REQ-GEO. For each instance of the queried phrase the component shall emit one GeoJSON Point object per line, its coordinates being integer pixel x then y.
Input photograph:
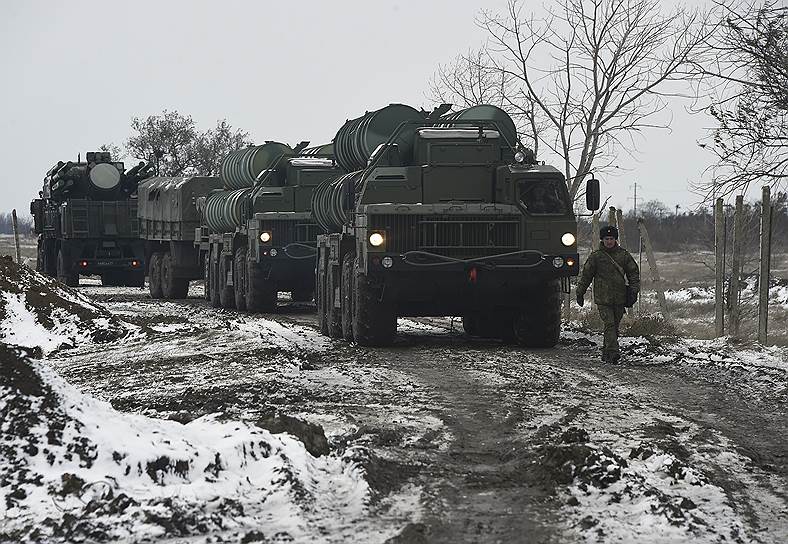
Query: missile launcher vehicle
{"type": "Point", "coordinates": [86, 221]}
{"type": "Point", "coordinates": [257, 236]}
{"type": "Point", "coordinates": [168, 219]}
{"type": "Point", "coordinates": [443, 214]}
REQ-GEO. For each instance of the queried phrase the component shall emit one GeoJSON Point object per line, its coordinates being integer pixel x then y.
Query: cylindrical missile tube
{"type": "Point", "coordinates": [241, 167]}
{"type": "Point", "coordinates": [224, 209]}
{"type": "Point", "coordinates": [327, 201]}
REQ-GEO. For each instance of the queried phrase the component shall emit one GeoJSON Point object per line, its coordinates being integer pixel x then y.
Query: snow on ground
{"type": "Point", "coordinates": [38, 312]}
{"type": "Point", "coordinates": [72, 468]}
{"type": "Point", "coordinates": [778, 293]}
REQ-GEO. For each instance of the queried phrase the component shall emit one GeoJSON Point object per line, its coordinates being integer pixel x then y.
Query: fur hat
{"type": "Point", "coordinates": [609, 230]}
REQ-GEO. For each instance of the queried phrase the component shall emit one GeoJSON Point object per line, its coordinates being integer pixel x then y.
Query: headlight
{"type": "Point", "coordinates": [568, 239]}
{"type": "Point", "coordinates": [558, 262]}
{"type": "Point", "coordinates": [376, 239]}
{"type": "Point", "coordinates": [265, 237]}
{"type": "Point", "coordinates": [519, 157]}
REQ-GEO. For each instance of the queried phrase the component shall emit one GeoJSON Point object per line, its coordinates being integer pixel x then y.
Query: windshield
{"type": "Point", "coordinates": [543, 196]}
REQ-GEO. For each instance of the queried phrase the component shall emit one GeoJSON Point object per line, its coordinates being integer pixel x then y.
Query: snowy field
{"type": "Point", "coordinates": [128, 419]}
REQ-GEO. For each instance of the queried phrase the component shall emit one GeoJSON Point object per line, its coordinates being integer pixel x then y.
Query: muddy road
{"type": "Point", "coordinates": [466, 440]}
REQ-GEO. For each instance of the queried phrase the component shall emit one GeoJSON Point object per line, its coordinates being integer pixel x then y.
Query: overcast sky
{"type": "Point", "coordinates": [75, 73]}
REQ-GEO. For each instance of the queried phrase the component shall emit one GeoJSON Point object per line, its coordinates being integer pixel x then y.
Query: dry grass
{"type": "Point", "coordinates": [27, 243]}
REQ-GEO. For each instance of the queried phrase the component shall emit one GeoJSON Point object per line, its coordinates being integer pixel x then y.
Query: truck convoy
{"type": "Point", "coordinates": [258, 236]}
{"type": "Point", "coordinates": [405, 213]}
{"type": "Point", "coordinates": [443, 215]}
{"type": "Point", "coordinates": [86, 221]}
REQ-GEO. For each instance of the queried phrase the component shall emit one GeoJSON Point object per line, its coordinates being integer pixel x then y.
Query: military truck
{"type": "Point", "coordinates": [168, 219]}
{"type": "Point", "coordinates": [86, 221]}
{"type": "Point", "coordinates": [257, 236]}
{"type": "Point", "coordinates": [443, 215]}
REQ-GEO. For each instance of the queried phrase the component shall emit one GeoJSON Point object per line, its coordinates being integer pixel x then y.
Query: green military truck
{"type": "Point", "coordinates": [257, 236]}
{"type": "Point", "coordinates": [168, 218]}
{"type": "Point", "coordinates": [86, 221]}
{"type": "Point", "coordinates": [443, 215]}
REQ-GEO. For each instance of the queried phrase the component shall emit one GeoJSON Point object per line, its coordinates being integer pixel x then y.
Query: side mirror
{"type": "Point", "coordinates": [592, 194]}
{"type": "Point", "coordinates": [348, 194]}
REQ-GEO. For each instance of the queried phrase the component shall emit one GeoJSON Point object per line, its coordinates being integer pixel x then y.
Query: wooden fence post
{"type": "Point", "coordinates": [16, 237]}
{"type": "Point", "coordinates": [622, 241]}
{"type": "Point", "coordinates": [595, 232]}
{"type": "Point", "coordinates": [738, 228]}
{"type": "Point", "coordinates": [719, 269]}
{"type": "Point", "coordinates": [763, 275]}
{"type": "Point", "coordinates": [611, 216]}
{"type": "Point", "coordinates": [652, 263]}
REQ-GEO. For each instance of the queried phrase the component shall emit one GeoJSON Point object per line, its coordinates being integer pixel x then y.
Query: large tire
{"type": "Point", "coordinates": [65, 272]}
{"type": "Point", "coordinates": [206, 277]}
{"type": "Point", "coordinates": [154, 276]}
{"type": "Point", "coordinates": [260, 291]}
{"type": "Point", "coordinates": [172, 287]}
{"type": "Point", "coordinates": [333, 302]}
{"type": "Point", "coordinates": [216, 301]}
{"type": "Point", "coordinates": [226, 293]}
{"type": "Point", "coordinates": [320, 298]}
{"type": "Point", "coordinates": [40, 256]}
{"type": "Point", "coordinates": [538, 322]}
{"type": "Point", "coordinates": [374, 321]}
{"type": "Point", "coordinates": [347, 296]}
{"type": "Point", "coordinates": [489, 325]}
{"type": "Point", "coordinates": [50, 258]}
{"type": "Point", "coordinates": [110, 279]}
{"type": "Point", "coordinates": [239, 277]}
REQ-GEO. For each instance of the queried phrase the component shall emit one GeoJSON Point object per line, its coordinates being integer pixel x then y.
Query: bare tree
{"type": "Point", "coordinates": [183, 150]}
{"type": "Point", "coordinates": [744, 69]}
{"type": "Point", "coordinates": [595, 70]}
{"type": "Point", "coordinates": [470, 80]}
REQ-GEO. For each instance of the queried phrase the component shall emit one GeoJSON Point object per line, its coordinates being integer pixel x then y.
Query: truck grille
{"type": "Point", "coordinates": [288, 231]}
{"type": "Point", "coordinates": [459, 236]}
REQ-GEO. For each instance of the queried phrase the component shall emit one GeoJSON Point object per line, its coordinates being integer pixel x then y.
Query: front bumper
{"type": "Point", "coordinates": [534, 264]}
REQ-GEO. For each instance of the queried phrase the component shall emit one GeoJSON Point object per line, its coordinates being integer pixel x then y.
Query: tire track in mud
{"type": "Point", "coordinates": [453, 432]}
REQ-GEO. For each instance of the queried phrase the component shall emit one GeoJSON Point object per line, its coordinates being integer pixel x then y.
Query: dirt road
{"type": "Point", "coordinates": [472, 441]}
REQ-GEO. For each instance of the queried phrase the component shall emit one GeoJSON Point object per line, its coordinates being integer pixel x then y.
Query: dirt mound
{"type": "Point", "coordinates": [39, 313]}
{"type": "Point", "coordinates": [73, 469]}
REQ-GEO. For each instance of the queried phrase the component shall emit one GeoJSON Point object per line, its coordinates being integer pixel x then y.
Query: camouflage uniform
{"type": "Point", "coordinates": [609, 290]}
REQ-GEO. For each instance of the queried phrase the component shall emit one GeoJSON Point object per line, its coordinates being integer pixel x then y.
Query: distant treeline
{"type": "Point", "coordinates": [694, 230]}
{"type": "Point", "coordinates": [25, 223]}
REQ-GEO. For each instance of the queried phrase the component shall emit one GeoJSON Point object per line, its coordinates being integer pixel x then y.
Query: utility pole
{"type": "Point", "coordinates": [738, 231]}
{"type": "Point", "coordinates": [635, 199]}
{"type": "Point", "coordinates": [763, 275]}
{"type": "Point", "coordinates": [719, 269]}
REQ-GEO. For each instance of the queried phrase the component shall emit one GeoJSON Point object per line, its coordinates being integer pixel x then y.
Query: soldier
{"type": "Point", "coordinates": [608, 267]}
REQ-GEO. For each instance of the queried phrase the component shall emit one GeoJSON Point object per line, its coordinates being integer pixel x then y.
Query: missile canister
{"type": "Point", "coordinates": [486, 112]}
{"type": "Point", "coordinates": [327, 208]}
{"type": "Point", "coordinates": [224, 209]}
{"type": "Point", "coordinates": [241, 167]}
{"type": "Point", "coordinates": [358, 138]}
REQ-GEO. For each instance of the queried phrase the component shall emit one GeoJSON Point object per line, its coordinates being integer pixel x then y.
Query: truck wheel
{"type": "Point", "coordinates": [216, 302]}
{"type": "Point", "coordinates": [226, 294]}
{"type": "Point", "coordinates": [470, 324]}
{"type": "Point", "coordinates": [374, 321]}
{"type": "Point", "coordinates": [333, 299]}
{"type": "Point", "coordinates": [538, 323]}
{"type": "Point", "coordinates": [301, 295]}
{"type": "Point", "coordinates": [320, 298]}
{"type": "Point", "coordinates": [40, 256]}
{"type": "Point", "coordinates": [154, 276]}
{"type": "Point", "coordinates": [50, 258]}
{"type": "Point", "coordinates": [109, 279]}
{"type": "Point", "coordinates": [65, 272]}
{"type": "Point", "coordinates": [171, 286]}
{"type": "Point", "coordinates": [206, 277]}
{"type": "Point", "coordinates": [347, 296]}
{"type": "Point", "coordinates": [239, 277]}
{"type": "Point", "coordinates": [260, 292]}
